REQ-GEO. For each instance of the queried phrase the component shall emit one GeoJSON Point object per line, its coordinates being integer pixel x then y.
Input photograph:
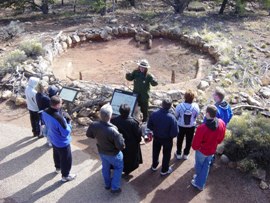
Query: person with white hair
{"type": "Point", "coordinates": [30, 94]}
{"type": "Point", "coordinates": [142, 82]}
{"type": "Point", "coordinates": [109, 143]}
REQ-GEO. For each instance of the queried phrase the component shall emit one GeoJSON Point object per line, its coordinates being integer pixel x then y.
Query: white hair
{"type": "Point", "coordinates": [106, 112]}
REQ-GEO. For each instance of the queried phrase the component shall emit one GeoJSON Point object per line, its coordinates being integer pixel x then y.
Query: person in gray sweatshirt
{"type": "Point", "coordinates": [30, 94]}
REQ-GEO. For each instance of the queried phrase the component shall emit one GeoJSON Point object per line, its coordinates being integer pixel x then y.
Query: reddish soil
{"type": "Point", "coordinates": [107, 62]}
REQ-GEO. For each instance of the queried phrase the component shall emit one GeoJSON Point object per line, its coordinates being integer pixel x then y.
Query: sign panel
{"type": "Point", "coordinates": [123, 97]}
{"type": "Point", "coordinates": [68, 94]}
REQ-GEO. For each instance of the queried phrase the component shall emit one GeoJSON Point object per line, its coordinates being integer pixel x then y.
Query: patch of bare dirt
{"type": "Point", "coordinates": [107, 62]}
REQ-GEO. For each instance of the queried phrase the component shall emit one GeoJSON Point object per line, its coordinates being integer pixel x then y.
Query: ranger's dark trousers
{"type": "Point", "coordinates": [166, 144]}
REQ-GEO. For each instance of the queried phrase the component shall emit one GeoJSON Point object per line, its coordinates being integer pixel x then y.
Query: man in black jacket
{"type": "Point", "coordinates": [109, 143]}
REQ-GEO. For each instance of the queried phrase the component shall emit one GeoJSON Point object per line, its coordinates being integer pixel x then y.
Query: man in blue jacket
{"type": "Point", "coordinates": [59, 130]}
{"type": "Point", "coordinates": [164, 127]}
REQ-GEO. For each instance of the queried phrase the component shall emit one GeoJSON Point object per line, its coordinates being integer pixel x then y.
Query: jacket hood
{"type": "Point", "coordinates": [223, 105]}
{"type": "Point", "coordinates": [212, 124]}
{"type": "Point", "coordinates": [33, 81]}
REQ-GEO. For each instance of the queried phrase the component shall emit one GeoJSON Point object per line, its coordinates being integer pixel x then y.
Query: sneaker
{"type": "Point", "coordinates": [170, 170]}
{"type": "Point", "coordinates": [178, 157]}
{"type": "Point", "coordinates": [154, 169]}
{"type": "Point", "coordinates": [116, 191]}
{"type": "Point", "coordinates": [70, 177]}
{"type": "Point", "coordinates": [194, 176]}
{"type": "Point", "coordinates": [57, 171]}
{"type": "Point", "coordinates": [196, 186]}
{"type": "Point", "coordinates": [185, 157]}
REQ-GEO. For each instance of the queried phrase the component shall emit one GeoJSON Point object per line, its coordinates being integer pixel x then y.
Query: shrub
{"type": "Point", "coordinates": [14, 58]}
{"type": "Point", "coordinates": [32, 48]}
{"type": "Point", "coordinates": [12, 30]}
{"type": "Point", "coordinates": [249, 143]}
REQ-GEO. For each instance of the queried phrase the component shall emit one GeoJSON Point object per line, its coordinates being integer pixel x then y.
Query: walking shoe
{"type": "Point", "coordinates": [185, 157]}
{"type": "Point", "coordinates": [70, 177]}
{"type": "Point", "coordinates": [170, 170]}
{"type": "Point", "coordinates": [154, 169]}
{"type": "Point", "coordinates": [116, 191]}
{"type": "Point", "coordinates": [194, 176]}
{"type": "Point", "coordinates": [57, 171]}
{"type": "Point", "coordinates": [178, 157]}
{"type": "Point", "coordinates": [196, 186]}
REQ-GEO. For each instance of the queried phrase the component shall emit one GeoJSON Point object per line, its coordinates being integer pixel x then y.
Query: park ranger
{"type": "Point", "coordinates": [142, 81]}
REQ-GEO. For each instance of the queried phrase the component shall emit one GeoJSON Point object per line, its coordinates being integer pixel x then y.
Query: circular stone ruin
{"type": "Point", "coordinates": [105, 55]}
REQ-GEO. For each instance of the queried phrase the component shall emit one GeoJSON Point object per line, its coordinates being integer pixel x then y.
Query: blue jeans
{"type": "Point", "coordinates": [202, 165]}
{"type": "Point", "coordinates": [117, 163]}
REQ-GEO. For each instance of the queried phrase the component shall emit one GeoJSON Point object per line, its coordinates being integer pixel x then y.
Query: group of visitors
{"type": "Point", "coordinates": [118, 139]}
{"type": "Point", "coordinates": [47, 119]}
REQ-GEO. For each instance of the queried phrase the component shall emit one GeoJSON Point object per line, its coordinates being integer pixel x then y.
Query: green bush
{"type": "Point", "coordinates": [249, 142]}
{"type": "Point", "coordinates": [14, 58]}
{"type": "Point", "coordinates": [32, 48]}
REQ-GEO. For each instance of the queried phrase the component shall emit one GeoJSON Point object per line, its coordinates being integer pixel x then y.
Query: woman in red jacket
{"type": "Point", "coordinates": [207, 137]}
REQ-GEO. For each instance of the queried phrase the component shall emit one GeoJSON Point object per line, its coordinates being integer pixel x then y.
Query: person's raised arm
{"type": "Point", "coordinates": [130, 76]}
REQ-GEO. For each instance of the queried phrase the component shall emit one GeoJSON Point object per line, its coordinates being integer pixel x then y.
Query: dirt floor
{"type": "Point", "coordinates": [224, 185]}
{"type": "Point", "coordinates": [107, 62]}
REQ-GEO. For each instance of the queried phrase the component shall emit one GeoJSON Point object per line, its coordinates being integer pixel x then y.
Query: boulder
{"type": "Point", "coordinates": [243, 94]}
{"type": "Point", "coordinates": [157, 102]}
{"type": "Point", "coordinates": [203, 85]}
{"type": "Point", "coordinates": [224, 159]}
{"type": "Point", "coordinates": [19, 101]}
{"type": "Point", "coordinates": [228, 81]}
{"type": "Point", "coordinates": [7, 94]}
{"type": "Point", "coordinates": [85, 112]}
{"type": "Point", "coordinates": [85, 121]}
{"type": "Point", "coordinates": [75, 39]}
{"type": "Point", "coordinates": [6, 78]}
{"type": "Point", "coordinates": [175, 94]}
{"type": "Point", "coordinates": [113, 21]}
{"type": "Point", "coordinates": [252, 101]}
{"type": "Point", "coordinates": [105, 35]}
{"type": "Point", "coordinates": [64, 45]}
{"type": "Point", "coordinates": [264, 185]}
{"type": "Point", "coordinates": [259, 174]}
{"type": "Point", "coordinates": [265, 92]}
{"type": "Point", "coordinates": [220, 148]}
{"type": "Point", "coordinates": [69, 41]}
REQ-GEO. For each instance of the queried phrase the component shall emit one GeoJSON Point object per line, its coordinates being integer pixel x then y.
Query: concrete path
{"type": "Point", "coordinates": [27, 173]}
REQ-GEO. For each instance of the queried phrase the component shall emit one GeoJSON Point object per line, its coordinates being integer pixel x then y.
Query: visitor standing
{"type": "Point", "coordinates": [109, 143]}
{"type": "Point", "coordinates": [132, 134]}
{"type": "Point", "coordinates": [142, 82]}
{"type": "Point", "coordinates": [224, 111]}
{"type": "Point", "coordinates": [30, 94]}
{"type": "Point", "coordinates": [186, 114]}
{"type": "Point", "coordinates": [164, 127]}
{"type": "Point", "coordinates": [208, 135]}
{"type": "Point", "coordinates": [59, 132]}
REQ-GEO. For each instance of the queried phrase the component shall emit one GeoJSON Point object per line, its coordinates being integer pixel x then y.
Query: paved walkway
{"type": "Point", "coordinates": [27, 173]}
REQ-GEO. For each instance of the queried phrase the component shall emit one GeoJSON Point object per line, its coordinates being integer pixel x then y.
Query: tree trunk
{"type": "Point", "coordinates": [62, 2]}
{"type": "Point", "coordinates": [132, 2]}
{"type": "Point", "coordinates": [180, 5]}
{"type": "Point", "coordinates": [223, 5]}
{"type": "Point", "coordinates": [45, 7]}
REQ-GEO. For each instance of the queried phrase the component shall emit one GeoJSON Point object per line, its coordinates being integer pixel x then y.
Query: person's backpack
{"type": "Point", "coordinates": [187, 114]}
{"type": "Point", "coordinates": [224, 114]}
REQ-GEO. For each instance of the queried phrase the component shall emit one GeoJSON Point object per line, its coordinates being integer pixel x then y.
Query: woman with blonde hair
{"type": "Point", "coordinates": [43, 102]}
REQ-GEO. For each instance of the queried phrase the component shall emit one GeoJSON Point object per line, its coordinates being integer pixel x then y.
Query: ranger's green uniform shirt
{"type": "Point", "coordinates": [142, 84]}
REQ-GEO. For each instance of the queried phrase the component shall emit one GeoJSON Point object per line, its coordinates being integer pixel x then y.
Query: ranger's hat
{"type": "Point", "coordinates": [144, 63]}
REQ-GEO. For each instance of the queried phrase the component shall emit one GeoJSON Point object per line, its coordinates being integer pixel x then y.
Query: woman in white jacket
{"type": "Point", "coordinates": [30, 94]}
{"type": "Point", "coordinates": [186, 114]}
